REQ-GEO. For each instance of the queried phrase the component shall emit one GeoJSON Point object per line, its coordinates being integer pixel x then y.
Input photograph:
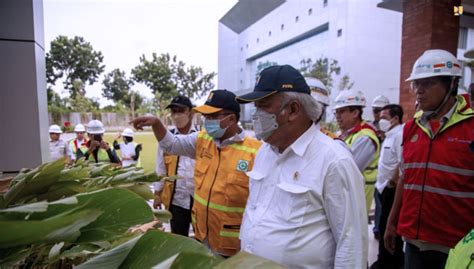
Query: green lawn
{"type": "Point", "coordinates": [149, 144]}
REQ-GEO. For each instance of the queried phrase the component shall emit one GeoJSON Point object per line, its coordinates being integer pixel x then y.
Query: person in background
{"type": "Point", "coordinates": [387, 177]}
{"type": "Point", "coordinates": [129, 150]}
{"type": "Point", "coordinates": [306, 205]}
{"type": "Point", "coordinates": [321, 94]}
{"type": "Point", "coordinates": [75, 144]}
{"type": "Point", "coordinates": [377, 104]}
{"type": "Point", "coordinates": [96, 149]}
{"type": "Point", "coordinates": [434, 199]}
{"type": "Point", "coordinates": [57, 146]}
{"type": "Point", "coordinates": [223, 154]}
{"type": "Point", "coordinates": [177, 195]}
{"type": "Point", "coordinates": [359, 136]}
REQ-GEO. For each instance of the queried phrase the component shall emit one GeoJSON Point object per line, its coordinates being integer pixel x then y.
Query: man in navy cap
{"type": "Point", "coordinates": [223, 153]}
{"type": "Point", "coordinates": [306, 206]}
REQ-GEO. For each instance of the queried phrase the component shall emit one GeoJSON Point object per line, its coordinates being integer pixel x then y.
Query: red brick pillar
{"type": "Point", "coordinates": [427, 24]}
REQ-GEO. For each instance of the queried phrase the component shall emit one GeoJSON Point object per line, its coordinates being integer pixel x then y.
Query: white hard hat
{"type": "Point", "coordinates": [127, 132]}
{"type": "Point", "coordinates": [79, 128]}
{"type": "Point", "coordinates": [95, 127]}
{"type": "Point", "coordinates": [55, 129]}
{"type": "Point", "coordinates": [435, 63]}
{"type": "Point", "coordinates": [318, 90]}
{"type": "Point", "coordinates": [349, 98]}
{"type": "Point", "coordinates": [380, 101]}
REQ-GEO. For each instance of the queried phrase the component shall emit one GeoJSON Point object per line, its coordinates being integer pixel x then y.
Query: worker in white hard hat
{"type": "Point", "coordinates": [321, 94]}
{"type": "Point", "coordinates": [359, 136]}
{"type": "Point", "coordinates": [377, 104]}
{"type": "Point", "coordinates": [76, 143]}
{"type": "Point", "coordinates": [433, 203]}
{"type": "Point", "coordinates": [129, 150]}
{"type": "Point", "coordinates": [57, 146]}
{"type": "Point", "coordinates": [96, 148]}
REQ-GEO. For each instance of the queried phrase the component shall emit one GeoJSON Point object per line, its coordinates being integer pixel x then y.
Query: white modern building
{"type": "Point", "coordinates": [364, 38]}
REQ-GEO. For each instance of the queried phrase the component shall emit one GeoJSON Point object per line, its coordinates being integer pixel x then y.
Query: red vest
{"type": "Point", "coordinates": [438, 187]}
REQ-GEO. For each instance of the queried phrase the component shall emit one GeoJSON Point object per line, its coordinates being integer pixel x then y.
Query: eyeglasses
{"type": "Point", "coordinates": [424, 83]}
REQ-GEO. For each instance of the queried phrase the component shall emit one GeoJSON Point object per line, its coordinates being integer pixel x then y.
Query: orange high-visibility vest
{"type": "Point", "coordinates": [221, 191]}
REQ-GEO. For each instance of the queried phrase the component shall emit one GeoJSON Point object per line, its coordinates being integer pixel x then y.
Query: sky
{"type": "Point", "coordinates": [123, 30]}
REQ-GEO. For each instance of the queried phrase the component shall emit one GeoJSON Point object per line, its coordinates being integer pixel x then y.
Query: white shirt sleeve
{"type": "Point", "coordinates": [363, 151]}
{"type": "Point", "coordinates": [345, 208]}
{"type": "Point", "coordinates": [160, 169]}
{"type": "Point", "coordinates": [183, 145]}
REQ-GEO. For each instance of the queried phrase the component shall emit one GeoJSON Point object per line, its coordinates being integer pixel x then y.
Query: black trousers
{"type": "Point", "coordinates": [385, 259]}
{"type": "Point", "coordinates": [181, 219]}
{"type": "Point", "coordinates": [416, 259]}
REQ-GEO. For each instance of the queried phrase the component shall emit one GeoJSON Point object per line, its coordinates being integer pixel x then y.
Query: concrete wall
{"type": "Point", "coordinates": [23, 100]}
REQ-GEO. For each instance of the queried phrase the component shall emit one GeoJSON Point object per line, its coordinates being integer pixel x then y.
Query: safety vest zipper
{"type": "Point", "coordinates": [210, 191]}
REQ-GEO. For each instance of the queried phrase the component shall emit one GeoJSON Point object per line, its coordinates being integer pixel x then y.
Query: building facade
{"type": "Point", "coordinates": [364, 38]}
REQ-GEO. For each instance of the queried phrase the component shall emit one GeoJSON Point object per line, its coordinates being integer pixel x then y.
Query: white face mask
{"type": "Point", "coordinates": [264, 124]}
{"type": "Point", "coordinates": [180, 119]}
{"type": "Point", "coordinates": [384, 125]}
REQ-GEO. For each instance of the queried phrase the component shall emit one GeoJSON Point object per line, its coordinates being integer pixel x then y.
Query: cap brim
{"type": "Point", "coordinates": [253, 96]}
{"type": "Point", "coordinates": [206, 109]}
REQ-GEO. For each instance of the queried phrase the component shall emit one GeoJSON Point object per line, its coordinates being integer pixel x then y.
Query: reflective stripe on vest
{"type": "Point", "coordinates": [441, 191]}
{"type": "Point", "coordinates": [440, 167]}
{"type": "Point", "coordinates": [217, 206]}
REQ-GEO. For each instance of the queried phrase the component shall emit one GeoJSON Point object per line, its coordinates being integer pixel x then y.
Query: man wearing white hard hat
{"type": "Point", "coordinates": [129, 150]}
{"type": "Point", "coordinates": [377, 104]}
{"type": "Point", "coordinates": [76, 143]}
{"type": "Point", "coordinates": [359, 136]}
{"type": "Point", "coordinates": [320, 93]}
{"type": "Point", "coordinates": [434, 200]}
{"type": "Point", "coordinates": [57, 146]}
{"type": "Point", "coordinates": [96, 149]}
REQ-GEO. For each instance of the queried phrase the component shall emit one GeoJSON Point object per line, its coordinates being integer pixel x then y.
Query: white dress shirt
{"type": "Point", "coordinates": [390, 157]}
{"type": "Point", "coordinates": [185, 183]}
{"type": "Point", "coordinates": [306, 206]}
{"type": "Point", "coordinates": [57, 149]}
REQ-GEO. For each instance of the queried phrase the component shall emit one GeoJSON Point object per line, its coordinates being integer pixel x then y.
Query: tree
{"type": "Point", "coordinates": [73, 59]}
{"type": "Point", "coordinates": [324, 69]}
{"type": "Point", "coordinates": [165, 75]}
{"type": "Point", "coordinates": [345, 83]}
{"type": "Point", "coordinates": [117, 88]}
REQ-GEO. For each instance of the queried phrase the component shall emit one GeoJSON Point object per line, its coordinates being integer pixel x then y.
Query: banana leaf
{"type": "Point", "coordinates": [244, 260]}
{"type": "Point", "coordinates": [152, 249]}
{"type": "Point", "coordinates": [100, 215]}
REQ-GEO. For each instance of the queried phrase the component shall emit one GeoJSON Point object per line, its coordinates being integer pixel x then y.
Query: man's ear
{"type": "Point", "coordinates": [294, 109]}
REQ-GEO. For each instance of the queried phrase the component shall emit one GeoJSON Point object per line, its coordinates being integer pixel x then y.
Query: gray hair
{"type": "Point", "coordinates": [311, 107]}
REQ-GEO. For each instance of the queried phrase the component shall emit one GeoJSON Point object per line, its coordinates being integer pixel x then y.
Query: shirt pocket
{"type": "Point", "coordinates": [237, 189]}
{"type": "Point", "coordinates": [255, 183]}
{"type": "Point", "coordinates": [291, 202]}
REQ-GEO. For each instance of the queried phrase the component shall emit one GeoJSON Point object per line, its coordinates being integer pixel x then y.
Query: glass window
{"type": "Point", "coordinates": [462, 41]}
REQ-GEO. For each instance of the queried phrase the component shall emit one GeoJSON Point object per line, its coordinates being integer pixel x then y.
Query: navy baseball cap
{"type": "Point", "coordinates": [180, 101]}
{"type": "Point", "coordinates": [273, 79]}
{"type": "Point", "coordinates": [217, 101]}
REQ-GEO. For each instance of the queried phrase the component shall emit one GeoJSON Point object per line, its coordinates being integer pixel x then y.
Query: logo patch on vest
{"type": "Point", "coordinates": [414, 138]}
{"type": "Point", "coordinates": [243, 166]}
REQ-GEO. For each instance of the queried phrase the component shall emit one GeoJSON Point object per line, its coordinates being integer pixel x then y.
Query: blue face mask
{"type": "Point", "coordinates": [213, 128]}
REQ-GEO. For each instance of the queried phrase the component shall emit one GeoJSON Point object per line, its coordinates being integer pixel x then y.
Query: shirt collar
{"type": "Point", "coordinates": [394, 130]}
{"type": "Point", "coordinates": [191, 130]}
{"type": "Point", "coordinates": [301, 144]}
{"type": "Point", "coordinates": [236, 138]}
{"type": "Point", "coordinates": [443, 120]}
